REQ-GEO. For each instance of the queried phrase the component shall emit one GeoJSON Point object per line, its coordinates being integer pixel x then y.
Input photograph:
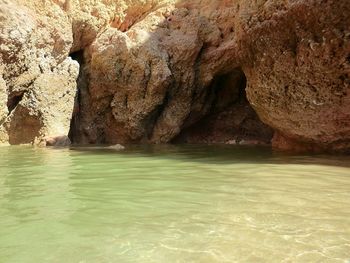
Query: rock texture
{"type": "Point", "coordinates": [231, 119]}
{"type": "Point", "coordinates": [157, 71]}
{"type": "Point", "coordinates": [154, 80]}
{"type": "Point", "coordinates": [298, 71]}
{"type": "Point", "coordinates": [38, 75]}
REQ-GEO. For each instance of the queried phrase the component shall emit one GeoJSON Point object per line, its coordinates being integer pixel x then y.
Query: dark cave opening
{"type": "Point", "coordinates": [230, 118]}
{"type": "Point", "coordinates": [78, 56]}
{"type": "Point", "coordinates": [229, 89]}
{"type": "Point", "coordinates": [13, 100]}
{"type": "Point", "coordinates": [74, 125]}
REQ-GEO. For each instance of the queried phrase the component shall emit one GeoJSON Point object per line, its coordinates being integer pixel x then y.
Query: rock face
{"type": "Point", "coordinates": [231, 119]}
{"type": "Point", "coordinates": [156, 79]}
{"type": "Point", "coordinates": [38, 83]}
{"type": "Point", "coordinates": [158, 71]}
{"type": "Point", "coordinates": [298, 72]}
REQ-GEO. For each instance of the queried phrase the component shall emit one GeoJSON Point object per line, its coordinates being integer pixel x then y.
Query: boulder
{"type": "Point", "coordinates": [298, 69]}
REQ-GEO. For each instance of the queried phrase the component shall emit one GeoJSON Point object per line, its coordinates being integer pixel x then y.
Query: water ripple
{"type": "Point", "coordinates": [172, 204]}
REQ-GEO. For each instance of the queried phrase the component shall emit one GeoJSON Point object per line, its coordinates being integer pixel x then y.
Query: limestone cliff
{"type": "Point", "coordinates": [157, 71]}
{"type": "Point", "coordinates": [39, 77]}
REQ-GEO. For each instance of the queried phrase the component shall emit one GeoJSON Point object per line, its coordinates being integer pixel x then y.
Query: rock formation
{"type": "Point", "coordinates": [298, 71]}
{"type": "Point", "coordinates": [154, 80]}
{"type": "Point", "coordinates": [40, 78]}
{"type": "Point", "coordinates": [159, 71]}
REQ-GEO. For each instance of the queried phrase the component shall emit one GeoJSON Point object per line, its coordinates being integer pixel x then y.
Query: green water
{"type": "Point", "coordinates": [172, 204]}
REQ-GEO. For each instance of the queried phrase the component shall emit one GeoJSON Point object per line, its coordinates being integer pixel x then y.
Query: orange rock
{"type": "Point", "coordinates": [150, 71]}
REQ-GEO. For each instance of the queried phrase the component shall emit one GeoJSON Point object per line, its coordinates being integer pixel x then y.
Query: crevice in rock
{"type": "Point", "coordinates": [230, 118]}
{"type": "Point", "coordinates": [78, 56]}
{"type": "Point", "coordinates": [81, 82]}
{"type": "Point", "coordinates": [155, 115]}
{"type": "Point", "coordinates": [133, 17]}
{"type": "Point", "coordinates": [13, 100]}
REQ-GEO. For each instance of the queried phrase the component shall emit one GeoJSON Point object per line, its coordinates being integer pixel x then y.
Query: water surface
{"type": "Point", "coordinates": [172, 204]}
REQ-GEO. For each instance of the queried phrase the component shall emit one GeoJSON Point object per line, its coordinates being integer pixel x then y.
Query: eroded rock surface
{"type": "Point", "coordinates": [149, 83]}
{"type": "Point", "coordinates": [298, 71]}
{"type": "Point", "coordinates": [40, 79]}
{"type": "Point", "coordinates": [149, 71]}
{"type": "Point", "coordinates": [3, 99]}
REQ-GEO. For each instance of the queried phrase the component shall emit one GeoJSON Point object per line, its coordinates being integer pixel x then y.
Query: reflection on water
{"type": "Point", "coordinates": [172, 204]}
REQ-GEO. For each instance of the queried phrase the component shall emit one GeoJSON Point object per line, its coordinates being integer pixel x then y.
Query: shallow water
{"type": "Point", "coordinates": [172, 204]}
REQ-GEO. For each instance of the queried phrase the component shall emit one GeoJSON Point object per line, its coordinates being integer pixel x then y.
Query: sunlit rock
{"type": "Point", "coordinates": [149, 71]}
